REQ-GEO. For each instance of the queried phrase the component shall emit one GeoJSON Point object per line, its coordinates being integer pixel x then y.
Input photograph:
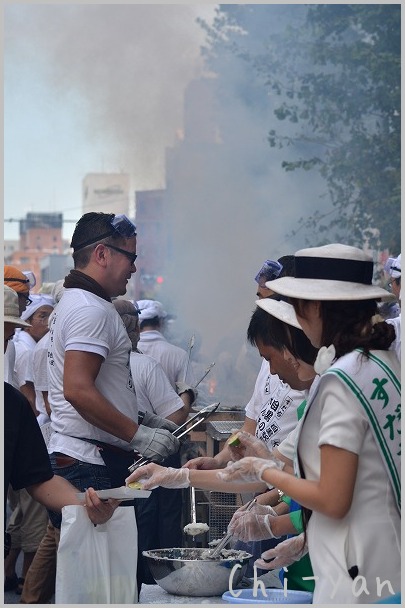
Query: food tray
{"type": "Point", "coordinates": [122, 493]}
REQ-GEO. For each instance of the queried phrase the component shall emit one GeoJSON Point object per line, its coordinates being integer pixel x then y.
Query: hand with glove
{"type": "Point", "coordinates": [248, 445]}
{"type": "Point", "coordinates": [254, 524]}
{"type": "Point", "coordinates": [154, 443]}
{"type": "Point", "coordinates": [284, 554]}
{"type": "Point", "coordinates": [157, 422]}
{"type": "Point", "coordinates": [152, 475]}
{"type": "Point", "coordinates": [182, 387]}
{"type": "Point", "coordinates": [249, 469]}
{"type": "Point", "coordinates": [202, 463]}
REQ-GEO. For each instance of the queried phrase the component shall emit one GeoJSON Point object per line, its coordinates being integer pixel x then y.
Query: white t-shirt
{"type": "Point", "coordinates": [259, 396]}
{"type": "Point", "coordinates": [274, 407]}
{"type": "Point", "coordinates": [9, 364]}
{"type": "Point", "coordinates": [369, 535]}
{"type": "Point", "coordinates": [172, 358]}
{"type": "Point", "coordinates": [86, 322]}
{"type": "Point", "coordinates": [24, 350]}
{"type": "Point", "coordinates": [154, 392]}
{"type": "Point", "coordinates": [40, 375]}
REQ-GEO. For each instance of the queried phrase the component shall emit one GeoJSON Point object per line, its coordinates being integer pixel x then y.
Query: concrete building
{"type": "Point", "coordinates": [55, 267]}
{"type": "Point", "coordinates": [107, 192]}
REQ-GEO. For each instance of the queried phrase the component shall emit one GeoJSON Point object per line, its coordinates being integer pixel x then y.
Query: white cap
{"type": "Point", "coordinates": [58, 290]}
{"type": "Point", "coordinates": [37, 300]}
{"type": "Point", "coordinates": [393, 267]}
{"type": "Point", "coordinates": [150, 309]}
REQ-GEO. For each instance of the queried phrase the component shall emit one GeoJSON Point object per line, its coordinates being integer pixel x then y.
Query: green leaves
{"type": "Point", "coordinates": [332, 75]}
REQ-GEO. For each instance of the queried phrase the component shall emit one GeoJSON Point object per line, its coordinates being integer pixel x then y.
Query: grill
{"type": "Point", "coordinates": [222, 429]}
{"type": "Point", "coordinates": [221, 507]}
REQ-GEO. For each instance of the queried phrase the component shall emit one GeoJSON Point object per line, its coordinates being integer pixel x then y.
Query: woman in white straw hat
{"type": "Point", "coordinates": [347, 462]}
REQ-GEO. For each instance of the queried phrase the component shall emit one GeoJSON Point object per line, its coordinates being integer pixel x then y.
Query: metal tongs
{"type": "Point", "coordinates": [181, 430]}
{"type": "Point", "coordinates": [217, 550]}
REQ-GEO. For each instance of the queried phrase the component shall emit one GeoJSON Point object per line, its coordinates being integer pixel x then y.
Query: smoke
{"type": "Point", "coordinates": [135, 77]}
{"type": "Point", "coordinates": [231, 206]}
{"type": "Point", "coordinates": [122, 68]}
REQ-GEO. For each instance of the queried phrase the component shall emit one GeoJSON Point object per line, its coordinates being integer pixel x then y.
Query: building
{"type": "Point", "coordinates": [152, 243]}
{"type": "Point", "coordinates": [107, 192]}
{"type": "Point", "coordinates": [40, 237]}
{"type": "Point", "coordinates": [54, 267]}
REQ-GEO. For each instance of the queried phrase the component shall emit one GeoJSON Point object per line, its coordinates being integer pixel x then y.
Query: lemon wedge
{"type": "Point", "coordinates": [135, 485]}
{"type": "Point", "coordinates": [234, 440]}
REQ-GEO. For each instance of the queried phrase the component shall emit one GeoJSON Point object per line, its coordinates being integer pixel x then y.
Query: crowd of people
{"type": "Point", "coordinates": [91, 383]}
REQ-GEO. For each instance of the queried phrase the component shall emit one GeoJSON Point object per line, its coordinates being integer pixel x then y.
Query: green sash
{"type": "Point", "coordinates": [378, 390]}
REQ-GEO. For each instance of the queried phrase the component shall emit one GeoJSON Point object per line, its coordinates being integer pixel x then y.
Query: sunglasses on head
{"type": "Point", "coordinates": [119, 224]}
{"type": "Point", "coordinates": [269, 271]}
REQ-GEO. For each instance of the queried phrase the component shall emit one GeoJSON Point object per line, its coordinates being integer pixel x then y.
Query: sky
{"type": "Point", "coordinates": [91, 88]}
{"type": "Point", "coordinates": [102, 88]}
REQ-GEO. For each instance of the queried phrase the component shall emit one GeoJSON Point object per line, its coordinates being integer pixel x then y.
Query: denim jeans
{"type": "Point", "coordinates": [82, 475]}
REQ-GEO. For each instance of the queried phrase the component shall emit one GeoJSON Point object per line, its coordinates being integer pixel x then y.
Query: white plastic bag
{"type": "Point", "coordinates": [97, 564]}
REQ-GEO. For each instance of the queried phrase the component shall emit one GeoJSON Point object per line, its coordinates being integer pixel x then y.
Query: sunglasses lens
{"type": "Point", "coordinates": [123, 226]}
{"type": "Point", "coordinates": [268, 272]}
{"type": "Point", "coordinates": [31, 278]}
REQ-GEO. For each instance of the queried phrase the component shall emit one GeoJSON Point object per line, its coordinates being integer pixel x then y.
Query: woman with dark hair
{"type": "Point", "coordinates": [347, 461]}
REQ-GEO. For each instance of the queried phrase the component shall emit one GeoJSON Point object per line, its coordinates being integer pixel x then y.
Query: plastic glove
{"type": "Point", "coordinates": [254, 524]}
{"type": "Point", "coordinates": [284, 554]}
{"type": "Point", "coordinates": [203, 463]}
{"type": "Point", "coordinates": [152, 475]}
{"type": "Point", "coordinates": [154, 444]}
{"type": "Point", "coordinates": [157, 422]}
{"type": "Point", "coordinates": [249, 446]}
{"type": "Point", "coordinates": [249, 469]}
{"type": "Point", "coordinates": [182, 387]}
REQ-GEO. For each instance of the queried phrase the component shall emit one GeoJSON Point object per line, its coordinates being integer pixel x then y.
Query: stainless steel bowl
{"type": "Point", "coordinates": [188, 572]}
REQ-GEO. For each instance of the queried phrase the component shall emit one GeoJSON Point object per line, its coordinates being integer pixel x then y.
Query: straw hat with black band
{"type": "Point", "coordinates": [11, 308]}
{"type": "Point", "coordinates": [331, 272]}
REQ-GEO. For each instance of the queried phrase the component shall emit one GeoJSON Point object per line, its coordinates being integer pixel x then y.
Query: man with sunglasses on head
{"type": "Point", "coordinates": [91, 392]}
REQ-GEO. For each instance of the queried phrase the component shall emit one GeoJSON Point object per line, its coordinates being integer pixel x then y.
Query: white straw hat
{"type": "Point", "coordinates": [12, 309]}
{"type": "Point", "coordinates": [331, 272]}
{"type": "Point", "coordinates": [281, 310]}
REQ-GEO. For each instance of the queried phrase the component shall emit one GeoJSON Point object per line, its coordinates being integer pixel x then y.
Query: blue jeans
{"type": "Point", "coordinates": [82, 475]}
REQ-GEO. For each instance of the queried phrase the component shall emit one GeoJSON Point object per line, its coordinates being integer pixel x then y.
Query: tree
{"type": "Point", "coordinates": [332, 75]}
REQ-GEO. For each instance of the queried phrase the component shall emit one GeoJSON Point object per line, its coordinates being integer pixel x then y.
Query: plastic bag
{"type": "Point", "coordinates": [97, 564]}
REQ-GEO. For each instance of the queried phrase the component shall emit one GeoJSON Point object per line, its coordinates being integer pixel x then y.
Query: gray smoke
{"type": "Point", "coordinates": [124, 67]}
{"type": "Point", "coordinates": [133, 73]}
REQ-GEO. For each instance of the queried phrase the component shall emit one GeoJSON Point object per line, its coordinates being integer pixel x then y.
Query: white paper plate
{"type": "Point", "coordinates": [122, 493]}
{"type": "Point", "coordinates": [274, 596]}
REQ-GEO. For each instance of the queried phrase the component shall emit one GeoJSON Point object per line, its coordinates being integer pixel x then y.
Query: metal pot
{"type": "Point", "coordinates": [189, 572]}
